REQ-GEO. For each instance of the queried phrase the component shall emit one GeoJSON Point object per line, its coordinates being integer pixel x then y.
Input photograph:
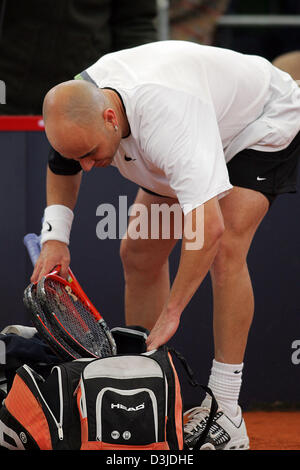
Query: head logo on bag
{"type": "Point", "coordinates": [123, 407]}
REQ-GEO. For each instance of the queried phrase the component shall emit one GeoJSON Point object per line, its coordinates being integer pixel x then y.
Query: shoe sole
{"type": "Point", "coordinates": [233, 446]}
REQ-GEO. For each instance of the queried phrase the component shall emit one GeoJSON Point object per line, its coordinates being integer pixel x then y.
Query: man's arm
{"type": "Point", "coordinates": [193, 267]}
{"type": "Point", "coordinates": [62, 190]}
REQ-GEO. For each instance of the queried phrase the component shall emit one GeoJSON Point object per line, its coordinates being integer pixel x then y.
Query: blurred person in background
{"type": "Point", "coordinates": [269, 40]}
{"type": "Point", "coordinates": [43, 43]}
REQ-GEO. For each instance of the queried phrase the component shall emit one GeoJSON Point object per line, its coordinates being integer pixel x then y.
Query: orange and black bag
{"type": "Point", "coordinates": [131, 401]}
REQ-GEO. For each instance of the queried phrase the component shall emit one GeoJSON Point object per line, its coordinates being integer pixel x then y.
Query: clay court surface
{"type": "Point", "coordinates": [273, 430]}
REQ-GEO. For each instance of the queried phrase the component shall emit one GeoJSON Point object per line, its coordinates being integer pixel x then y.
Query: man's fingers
{"type": "Point", "coordinates": [36, 272]}
{"type": "Point", "coordinates": [40, 270]}
{"type": "Point", "coordinates": [154, 343]}
{"type": "Point", "coordinates": [64, 271]}
{"type": "Point", "coordinates": [156, 340]}
{"type": "Point", "coordinates": [64, 266]}
{"type": "Point", "coordinates": [34, 276]}
{"type": "Point", "coordinates": [165, 327]}
{"type": "Point", "coordinates": [53, 253]}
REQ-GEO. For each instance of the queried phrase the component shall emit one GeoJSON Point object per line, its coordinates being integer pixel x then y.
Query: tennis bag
{"type": "Point", "coordinates": [131, 401]}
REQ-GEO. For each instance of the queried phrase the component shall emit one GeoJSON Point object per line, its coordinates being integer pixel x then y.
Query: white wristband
{"type": "Point", "coordinates": [57, 224]}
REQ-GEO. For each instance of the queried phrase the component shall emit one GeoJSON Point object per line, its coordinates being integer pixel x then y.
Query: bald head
{"type": "Point", "coordinates": [71, 111]}
{"type": "Point", "coordinates": [77, 101]}
{"type": "Point", "coordinates": [84, 123]}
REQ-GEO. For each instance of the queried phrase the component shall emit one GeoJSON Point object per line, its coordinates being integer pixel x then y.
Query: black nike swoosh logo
{"type": "Point", "coordinates": [50, 227]}
{"type": "Point", "coordinates": [129, 159]}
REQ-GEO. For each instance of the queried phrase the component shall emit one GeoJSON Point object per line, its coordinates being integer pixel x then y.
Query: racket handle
{"type": "Point", "coordinates": [32, 243]}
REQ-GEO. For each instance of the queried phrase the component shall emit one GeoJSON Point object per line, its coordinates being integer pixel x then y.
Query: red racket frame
{"type": "Point", "coordinates": [73, 283]}
{"type": "Point", "coordinates": [76, 286]}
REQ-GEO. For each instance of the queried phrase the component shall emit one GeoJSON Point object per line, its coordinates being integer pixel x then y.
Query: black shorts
{"type": "Point", "coordinates": [270, 173]}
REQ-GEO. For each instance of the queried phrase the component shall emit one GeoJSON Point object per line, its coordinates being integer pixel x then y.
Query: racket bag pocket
{"type": "Point", "coordinates": [131, 401]}
{"type": "Point", "coordinates": [41, 414]}
{"type": "Point", "coordinates": [130, 339]}
{"type": "Point", "coordinates": [122, 402]}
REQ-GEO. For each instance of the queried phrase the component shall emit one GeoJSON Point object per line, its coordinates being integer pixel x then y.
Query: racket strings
{"type": "Point", "coordinates": [41, 323]}
{"type": "Point", "coordinates": [75, 316]}
{"type": "Point", "coordinates": [60, 304]}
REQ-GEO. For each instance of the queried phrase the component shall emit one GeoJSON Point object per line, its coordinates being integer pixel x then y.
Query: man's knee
{"type": "Point", "coordinates": [243, 212]}
{"type": "Point", "coordinates": [230, 260]}
{"type": "Point", "coordinates": [138, 259]}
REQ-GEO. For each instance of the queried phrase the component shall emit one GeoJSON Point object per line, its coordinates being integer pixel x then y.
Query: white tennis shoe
{"type": "Point", "coordinates": [223, 433]}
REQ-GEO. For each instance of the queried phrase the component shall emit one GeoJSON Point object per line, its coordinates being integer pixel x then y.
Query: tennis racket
{"type": "Point", "coordinates": [54, 331]}
{"type": "Point", "coordinates": [71, 312]}
{"type": "Point", "coordinates": [38, 317]}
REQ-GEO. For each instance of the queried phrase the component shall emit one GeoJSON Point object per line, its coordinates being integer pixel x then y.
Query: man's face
{"type": "Point", "coordinates": [91, 147]}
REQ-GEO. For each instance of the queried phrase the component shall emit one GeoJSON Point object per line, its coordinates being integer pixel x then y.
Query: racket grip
{"type": "Point", "coordinates": [32, 243]}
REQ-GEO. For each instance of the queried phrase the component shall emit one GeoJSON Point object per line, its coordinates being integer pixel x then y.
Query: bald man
{"type": "Point", "coordinates": [216, 132]}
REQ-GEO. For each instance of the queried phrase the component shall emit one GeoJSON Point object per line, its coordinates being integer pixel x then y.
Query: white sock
{"type": "Point", "coordinates": [225, 382]}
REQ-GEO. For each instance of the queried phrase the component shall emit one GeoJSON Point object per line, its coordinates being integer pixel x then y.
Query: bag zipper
{"type": "Point", "coordinates": [59, 424]}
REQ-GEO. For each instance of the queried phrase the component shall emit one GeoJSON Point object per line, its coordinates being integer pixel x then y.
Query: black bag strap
{"type": "Point", "coordinates": [212, 414]}
{"type": "Point", "coordinates": [194, 383]}
{"type": "Point", "coordinates": [186, 367]}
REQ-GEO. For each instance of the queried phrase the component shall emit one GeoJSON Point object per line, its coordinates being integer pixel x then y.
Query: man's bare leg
{"type": "Point", "coordinates": [243, 210]}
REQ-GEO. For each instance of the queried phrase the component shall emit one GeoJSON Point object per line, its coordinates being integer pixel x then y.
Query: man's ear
{"type": "Point", "coordinates": [110, 117]}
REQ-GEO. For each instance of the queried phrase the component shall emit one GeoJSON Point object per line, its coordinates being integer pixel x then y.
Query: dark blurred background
{"type": "Point", "coordinates": [44, 42]}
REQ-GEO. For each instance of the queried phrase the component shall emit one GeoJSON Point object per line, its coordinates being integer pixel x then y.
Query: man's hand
{"type": "Point", "coordinates": [53, 253]}
{"type": "Point", "coordinates": [163, 330]}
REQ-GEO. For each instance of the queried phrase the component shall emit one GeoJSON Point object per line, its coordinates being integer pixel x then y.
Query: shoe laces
{"type": "Point", "coordinates": [196, 416]}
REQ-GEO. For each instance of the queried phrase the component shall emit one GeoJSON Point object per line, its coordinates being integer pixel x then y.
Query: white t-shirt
{"type": "Point", "coordinates": [191, 108]}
